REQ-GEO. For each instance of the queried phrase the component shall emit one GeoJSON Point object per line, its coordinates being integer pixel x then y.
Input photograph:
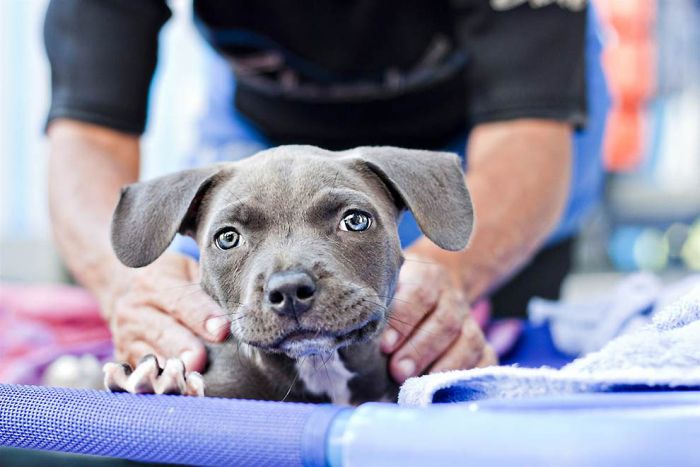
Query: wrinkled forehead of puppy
{"type": "Point", "coordinates": [291, 184]}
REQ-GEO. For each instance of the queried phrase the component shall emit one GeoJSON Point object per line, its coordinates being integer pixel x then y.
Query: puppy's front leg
{"type": "Point", "coordinates": [149, 378]}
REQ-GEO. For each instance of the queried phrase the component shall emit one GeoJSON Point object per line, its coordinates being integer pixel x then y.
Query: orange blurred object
{"type": "Point", "coordinates": [629, 62]}
{"type": "Point", "coordinates": [623, 140]}
{"type": "Point", "coordinates": [633, 19]}
{"type": "Point", "coordinates": [629, 68]}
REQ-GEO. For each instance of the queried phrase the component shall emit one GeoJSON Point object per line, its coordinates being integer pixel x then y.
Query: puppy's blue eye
{"type": "Point", "coordinates": [227, 238]}
{"type": "Point", "coordinates": [356, 221]}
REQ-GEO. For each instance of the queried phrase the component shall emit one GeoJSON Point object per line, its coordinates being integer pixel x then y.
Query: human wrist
{"type": "Point", "coordinates": [425, 251]}
{"type": "Point", "coordinates": [472, 271]}
{"type": "Point", "coordinates": [105, 277]}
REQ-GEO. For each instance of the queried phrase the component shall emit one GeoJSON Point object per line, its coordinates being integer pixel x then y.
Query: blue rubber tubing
{"type": "Point", "coordinates": [168, 429]}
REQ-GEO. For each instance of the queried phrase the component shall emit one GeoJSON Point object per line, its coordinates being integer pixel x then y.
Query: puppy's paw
{"type": "Point", "coordinates": [149, 378]}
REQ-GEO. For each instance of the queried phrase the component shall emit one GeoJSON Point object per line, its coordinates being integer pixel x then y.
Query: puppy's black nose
{"type": "Point", "coordinates": [290, 293]}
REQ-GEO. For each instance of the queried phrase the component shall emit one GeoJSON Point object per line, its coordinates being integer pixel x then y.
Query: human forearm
{"type": "Point", "coordinates": [519, 175]}
{"type": "Point", "coordinates": [87, 167]}
{"type": "Point", "coordinates": [152, 310]}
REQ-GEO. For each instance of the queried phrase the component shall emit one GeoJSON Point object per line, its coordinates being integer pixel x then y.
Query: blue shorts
{"type": "Point", "coordinates": [226, 135]}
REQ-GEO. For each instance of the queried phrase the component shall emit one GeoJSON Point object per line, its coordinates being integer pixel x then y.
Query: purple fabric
{"type": "Point", "coordinates": [39, 323]}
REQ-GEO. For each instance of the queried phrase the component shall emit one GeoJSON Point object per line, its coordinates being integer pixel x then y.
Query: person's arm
{"type": "Point", "coordinates": [159, 309]}
{"type": "Point", "coordinates": [88, 165]}
{"type": "Point", "coordinates": [519, 175]}
{"type": "Point", "coordinates": [525, 78]}
{"type": "Point", "coordinates": [102, 56]}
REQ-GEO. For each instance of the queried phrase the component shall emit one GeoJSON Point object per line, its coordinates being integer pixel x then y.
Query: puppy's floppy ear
{"type": "Point", "coordinates": [150, 213]}
{"type": "Point", "coordinates": [430, 184]}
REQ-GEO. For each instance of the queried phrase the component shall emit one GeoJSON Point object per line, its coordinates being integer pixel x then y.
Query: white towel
{"type": "Point", "coordinates": [662, 355]}
{"type": "Point", "coordinates": [580, 327]}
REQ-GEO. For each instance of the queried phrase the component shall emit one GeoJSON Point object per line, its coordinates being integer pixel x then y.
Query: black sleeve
{"type": "Point", "coordinates": [523, 62]}
{"type": "Point", "coordinates": [102, 55]}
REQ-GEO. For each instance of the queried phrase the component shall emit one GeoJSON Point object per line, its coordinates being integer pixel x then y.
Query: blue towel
{"type": "Point", "coordinates": [662, 355]}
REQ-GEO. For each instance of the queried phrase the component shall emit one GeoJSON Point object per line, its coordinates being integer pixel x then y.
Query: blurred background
{"type": "Point", "coordinates": [648, 220]}
{"type": "Point", "coordinates": [26, 250]}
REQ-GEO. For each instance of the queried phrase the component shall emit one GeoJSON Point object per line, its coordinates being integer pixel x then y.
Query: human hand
{"type": "Point", "coordinates": [161, 310]}
{"type": "Point", "coordinates": [431, 327]}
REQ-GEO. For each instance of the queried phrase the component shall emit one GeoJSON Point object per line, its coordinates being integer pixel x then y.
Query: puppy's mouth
{"type": "Point", "coordinates": [301, 342]}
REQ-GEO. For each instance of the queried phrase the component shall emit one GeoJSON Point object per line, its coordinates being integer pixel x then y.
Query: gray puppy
{"type": "Point", "coordinates": [299, 247]}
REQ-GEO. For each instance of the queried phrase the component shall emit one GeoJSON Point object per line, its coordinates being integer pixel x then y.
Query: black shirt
{"type": "Point", "coordinates": [335, 73]}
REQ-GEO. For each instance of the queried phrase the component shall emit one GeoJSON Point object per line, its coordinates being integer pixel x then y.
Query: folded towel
{"type": "Point", "coordinates": [578, 328]}
{"type": "Point", "coordinates": [663, 355]}
{"type": "Point", "coordinates": [581, 327]}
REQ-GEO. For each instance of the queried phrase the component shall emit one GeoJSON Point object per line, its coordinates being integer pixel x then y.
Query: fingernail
{"type": "Point", "coordinates": [406, 368]}
{"type": "Point", "coordinates": [389, 339]}
{"type": "Point", "coordinates": [216, 326]}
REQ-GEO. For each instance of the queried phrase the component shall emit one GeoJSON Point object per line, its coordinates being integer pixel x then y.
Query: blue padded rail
{"type": "Point", "coordinates": [167, 429]}
{"type": "Point", "coordinates": [582, 430]}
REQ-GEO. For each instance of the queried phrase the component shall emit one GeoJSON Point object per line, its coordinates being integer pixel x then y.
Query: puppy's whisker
{"type": "Point", "coordinates": [294, 381]}
{"type": "Point", "coordinates": [224, 315]}
{"type": "Point", "coordinates": [391, 298]}
{"type": "Point", "coordinates": [399, 320]}
{"type": "Point", "coordinates": [228, 339]}
{"type": "Point", "coordinates": [396, 299]}
{"type": "Point", "coordinates": [394, 328]}
{"type": "Point", "coordinates": [230, 302]}
{"type": "Point", "coordinates": [388, 320]}
{"type": "Point", "coordinates": [328, 376]}
{"type": "Point", "coordinates": [406, 337]}
{"type": "Point", "coordinates": [370, 302]}
{"type": "Point", "coordinates": [415, 328]}
{"type": "Point", "coordinates": [238, 350]}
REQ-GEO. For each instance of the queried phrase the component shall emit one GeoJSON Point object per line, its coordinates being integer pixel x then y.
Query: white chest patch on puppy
{"type": "Point", "coordinates": [326, 375]}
